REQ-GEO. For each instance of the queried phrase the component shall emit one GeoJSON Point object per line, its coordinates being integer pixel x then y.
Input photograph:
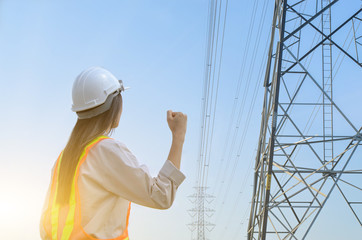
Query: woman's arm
{"type": "Point", "coordinates": [177, 123]}
{"type": "Point", "coordinates": [112, 165]}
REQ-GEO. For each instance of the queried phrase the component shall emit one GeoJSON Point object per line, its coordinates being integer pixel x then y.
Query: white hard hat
{"type": "Point", "coordinates": [93, 92]}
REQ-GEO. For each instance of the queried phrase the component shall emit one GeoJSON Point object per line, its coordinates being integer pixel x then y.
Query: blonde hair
{"type": "Point", "coordinates": [84, 131]}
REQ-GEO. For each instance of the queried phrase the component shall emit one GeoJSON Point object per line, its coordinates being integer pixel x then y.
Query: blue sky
{"type": "Point", "coordinates": [157, 48]}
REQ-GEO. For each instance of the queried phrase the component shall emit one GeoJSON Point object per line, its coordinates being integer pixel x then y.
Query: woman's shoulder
{"type": "Point", "coordinates": [111, 145]}
{"type": "Point", "coordinates": [116, 153]}
{"type": "Point", "coordinates": [111, 142]}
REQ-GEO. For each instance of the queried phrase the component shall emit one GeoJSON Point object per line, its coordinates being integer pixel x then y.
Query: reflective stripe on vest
{"type": "Point", "coordinates": [68, 217]}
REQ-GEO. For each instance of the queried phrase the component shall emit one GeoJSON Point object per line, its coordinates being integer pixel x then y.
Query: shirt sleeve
{"type": "Point", "coordinates": [118, 171]}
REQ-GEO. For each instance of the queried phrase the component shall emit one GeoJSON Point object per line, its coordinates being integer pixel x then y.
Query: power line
{"type": "Point", "coordinates": [213, 60]}
{"type": "Point", "coordinates": [245, 55]}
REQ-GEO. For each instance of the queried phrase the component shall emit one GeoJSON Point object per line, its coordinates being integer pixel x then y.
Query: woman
{"type": "Point", "coordinates": [96, 178]}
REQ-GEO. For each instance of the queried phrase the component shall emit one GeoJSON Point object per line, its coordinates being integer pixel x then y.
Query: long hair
{"type": "Point", "coordinates": [84, 131]}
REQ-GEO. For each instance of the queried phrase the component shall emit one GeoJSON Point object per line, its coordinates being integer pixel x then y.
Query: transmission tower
{"type": "Point", "coordinates": [200, 211]}
{"type": "Point", "coordinates": [301, 157]}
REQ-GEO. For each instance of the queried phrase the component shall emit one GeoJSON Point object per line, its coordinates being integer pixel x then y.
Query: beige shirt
{"type": "Point", "coordinates": [109, 179]}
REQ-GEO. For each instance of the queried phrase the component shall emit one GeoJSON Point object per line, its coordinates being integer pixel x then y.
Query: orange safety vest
{"type": "Point", "coordinates": [64, 222]}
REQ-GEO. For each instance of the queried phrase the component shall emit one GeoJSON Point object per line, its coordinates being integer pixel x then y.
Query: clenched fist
{"type": "Point", "coordinates": [177, 122]}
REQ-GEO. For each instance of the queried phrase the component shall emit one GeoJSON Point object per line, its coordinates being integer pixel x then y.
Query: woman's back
{"type": "Point", "coordinates": [111, 177]}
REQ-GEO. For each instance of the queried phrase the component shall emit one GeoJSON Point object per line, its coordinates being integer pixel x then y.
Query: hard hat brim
{"type": "Point", "coordinates": [98, 109]}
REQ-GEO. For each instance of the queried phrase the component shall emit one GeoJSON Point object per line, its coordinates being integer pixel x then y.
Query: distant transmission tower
{"type": "Point", "coordinates": [303, 153]}
{"type": "Point", "coordinates": [200, 212]}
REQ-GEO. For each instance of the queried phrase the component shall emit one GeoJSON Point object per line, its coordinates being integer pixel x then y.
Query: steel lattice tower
{"type": "Point", "coordinates": [200, 212]}
{"type": "Point", "coordinates": [301, 159]}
